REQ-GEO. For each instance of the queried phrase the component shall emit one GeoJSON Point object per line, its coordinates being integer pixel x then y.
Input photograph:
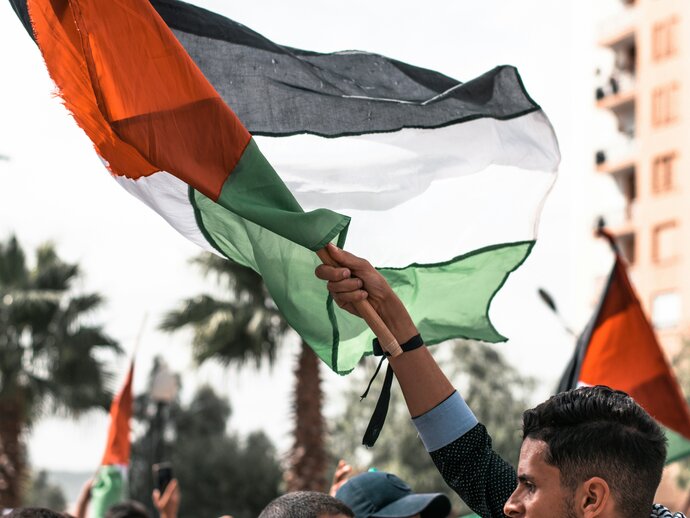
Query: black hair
{"type": "Point", "coordinates": [127, 509]}
{"type": "Point", "coordinates": [35, 512]}
{"type": "Point", "coordinates": [305, 504]}
{"type": "Point", "coordinates": [601, 432]}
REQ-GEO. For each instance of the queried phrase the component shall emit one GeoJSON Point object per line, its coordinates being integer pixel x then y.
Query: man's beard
{"type": "Point", "coordinates": [568, 510]}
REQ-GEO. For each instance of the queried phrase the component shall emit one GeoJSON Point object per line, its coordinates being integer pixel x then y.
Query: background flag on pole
{"type": "Point", "coordinates": [110, 484]}
{"type": "Point", "coordinates": [619, 348]}
{"type": "Point", "coordinates": [438, 183]}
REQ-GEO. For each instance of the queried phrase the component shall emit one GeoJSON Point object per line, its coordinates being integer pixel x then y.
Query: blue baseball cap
{"type": "Point", "coordinates": [383, 495]}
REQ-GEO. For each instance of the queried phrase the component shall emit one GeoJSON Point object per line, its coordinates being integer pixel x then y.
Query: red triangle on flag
{"type": "Point", "coordinates": [117, 449]}
{"type": "Point", "coordinates": [623, 353]}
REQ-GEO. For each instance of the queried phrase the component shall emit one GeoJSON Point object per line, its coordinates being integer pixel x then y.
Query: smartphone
{"type": "Point", "coordinates": [162, 475]}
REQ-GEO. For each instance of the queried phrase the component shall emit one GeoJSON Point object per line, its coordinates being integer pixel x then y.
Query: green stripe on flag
{"type": "Point", "coordinates": [452, 299]}
{"type": "Point", "coordinates": [254, 191]}
{"type": "Point", "coordinates": [109, 488]}
{"type": "Point", "coordinates": [287, 269]}
{"type": "Point", "coordinates": [446, 300]}
{"type": "Point", "coordinates": [678, 447]}
{"type": "Point", "coordinates": [455, 295]}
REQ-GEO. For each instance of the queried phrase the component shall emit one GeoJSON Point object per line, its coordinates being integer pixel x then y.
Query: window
{"type": "Point", "coordinates": [665, 242]}
{"type": "Point", "coordinates": [665, 104]}
{"type": "Point", "coordinates": [665, 38]}
{"type": "Point", "coordinates": [666, 310]}
{"type": "Point", "coordinates": [663, 178]}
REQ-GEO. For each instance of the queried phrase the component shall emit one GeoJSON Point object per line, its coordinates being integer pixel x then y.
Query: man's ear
{"type": "Point", "coordinates": [593, 498]}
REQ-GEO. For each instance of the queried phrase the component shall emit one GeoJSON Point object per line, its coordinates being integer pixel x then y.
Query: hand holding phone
{"type": "Point", "coordinates": [166, 496]}
{"type": "Point", "coordinates": [162, 475]}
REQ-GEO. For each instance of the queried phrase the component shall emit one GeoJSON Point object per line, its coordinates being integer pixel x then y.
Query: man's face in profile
{"type": "Point", "coordinates": [539, 492]}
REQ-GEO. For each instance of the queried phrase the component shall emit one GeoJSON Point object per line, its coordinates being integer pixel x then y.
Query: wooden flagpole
{"type": "Point", "coordinates": [369, 314]}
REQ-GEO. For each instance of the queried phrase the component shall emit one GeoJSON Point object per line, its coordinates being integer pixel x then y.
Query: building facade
{"type": "Point", "coordinates": [646, 90]}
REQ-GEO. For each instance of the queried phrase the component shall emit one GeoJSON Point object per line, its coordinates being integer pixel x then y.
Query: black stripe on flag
{"type": "Point", "coordinates": [280, 91]}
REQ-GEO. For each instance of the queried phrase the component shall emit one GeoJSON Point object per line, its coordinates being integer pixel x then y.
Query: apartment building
{"type": "Point", "coordinates": [645, 88]}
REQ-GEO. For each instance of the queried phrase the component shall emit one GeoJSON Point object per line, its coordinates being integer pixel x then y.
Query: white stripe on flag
{"type": "Point", "coordinates": [168, 196]}
{"type": "Point", "coordinates": [413, 195]}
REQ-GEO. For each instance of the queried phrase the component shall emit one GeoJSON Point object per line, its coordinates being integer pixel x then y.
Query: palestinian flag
{"type": "Point", "coordinates": [110, 484]}
{"type": "Point", "coordinates": [439, 182]}
{"type": "Point", "coordinates": [619, 349]}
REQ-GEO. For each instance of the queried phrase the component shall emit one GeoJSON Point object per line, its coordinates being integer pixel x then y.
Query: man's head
{"type": "Point", "coordinates": [593, 450]}
{"type": "Point", "coordinates": [35, 512]}
{"type": "Point", "coordinates": [306, 504]}
{"type": "Point", "coordinates": [128, 509]}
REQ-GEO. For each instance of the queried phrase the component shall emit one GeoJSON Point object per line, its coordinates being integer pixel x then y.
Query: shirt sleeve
{"type": "Point", "coordinates": [462, 452]}
{"type": "Point", "coordinates": [444, 423]}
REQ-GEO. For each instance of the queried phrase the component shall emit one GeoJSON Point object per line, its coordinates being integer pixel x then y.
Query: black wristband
{"type": "Point", "coordinates": [379, 416]}
{"type": "Point", "coordinates": [412, 344]}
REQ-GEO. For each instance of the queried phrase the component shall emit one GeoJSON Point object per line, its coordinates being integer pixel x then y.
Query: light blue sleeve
{"type": "Point", "coordinates": [445, 423]}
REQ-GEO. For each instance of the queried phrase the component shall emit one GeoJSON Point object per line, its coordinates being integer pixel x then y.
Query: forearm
{"type": "Point", "coordinates": [423, 383]}
{"type": "Point", "coordinates": [81, 509]}
{"type": "Point", "coordinates": [82, 506]}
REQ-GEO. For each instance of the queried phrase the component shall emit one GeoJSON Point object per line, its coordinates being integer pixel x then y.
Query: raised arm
{"type": "Point", "coordinates": [458, 444]}
{"type": "Point", "coordinates": [423, 383]}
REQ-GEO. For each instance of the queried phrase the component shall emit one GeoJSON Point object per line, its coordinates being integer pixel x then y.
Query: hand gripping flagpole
{"type": "Point", "coordinates": [369, 314]}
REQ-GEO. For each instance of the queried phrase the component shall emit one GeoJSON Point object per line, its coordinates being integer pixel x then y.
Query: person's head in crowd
{"type": "Point", "coordinates": [35, 512]}
{"type": "Point", "coordinates": [306, 504]}
{"type": "Point", "coordinates": [128, 509]}
{"type": "Point", "coordinates": [383, 495]}
{"type": "Point", "coordinates": [588, 452]}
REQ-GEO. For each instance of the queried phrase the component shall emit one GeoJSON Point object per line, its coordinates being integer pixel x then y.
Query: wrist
{"type": "Point", "coordinates": [397, 319]}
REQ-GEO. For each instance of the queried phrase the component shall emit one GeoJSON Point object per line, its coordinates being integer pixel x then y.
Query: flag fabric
{"type": "Point", "coordinates": [110, 484]}
{"type": "Point", "coordinates": [438, 183]}
{"type": "Point", "coordinates": [619, 349]}
{"type": "Point", "coordinates": [678, 447]}
{"type": "Point", "coordinates": [109, 488]}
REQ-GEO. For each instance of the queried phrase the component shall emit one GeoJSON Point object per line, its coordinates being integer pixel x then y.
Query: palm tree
{"type": "Point", "coordinates": [246, 326]}
{"type": "Point", "coordinates": [49, 357]}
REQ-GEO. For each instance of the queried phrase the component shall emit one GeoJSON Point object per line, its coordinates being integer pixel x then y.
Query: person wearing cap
{"type": "Point", "coordinates": [591, 452]}
{"type": "Point", "coordinates": [377, 494]}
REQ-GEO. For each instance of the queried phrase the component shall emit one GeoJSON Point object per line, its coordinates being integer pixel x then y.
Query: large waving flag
{"type": "Point", "coordinates": [110, 484]}
{"type": "Point", "coordinates": [439, 182]}
{"type": "Point", "coordinates": [619, 348]}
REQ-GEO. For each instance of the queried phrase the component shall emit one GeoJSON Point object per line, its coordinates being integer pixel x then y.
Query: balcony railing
{"type": "Point", "coordinates": [616, 83]}
{"type": "Point", "coordinates": [620, 220]}
{"type": "Point", "coordinates": [617, 155]}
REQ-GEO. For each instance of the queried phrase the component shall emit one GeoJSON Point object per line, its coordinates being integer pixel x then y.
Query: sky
{"type": "Point", "coordinates": [54, 188]}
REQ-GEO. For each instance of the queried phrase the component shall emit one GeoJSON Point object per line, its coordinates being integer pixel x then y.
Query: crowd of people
{"type": "Point", "coordinates": [589, 452]}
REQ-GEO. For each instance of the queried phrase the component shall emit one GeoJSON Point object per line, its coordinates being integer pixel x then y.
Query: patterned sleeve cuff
{"type": "Point", "coordinates": [445, 423]}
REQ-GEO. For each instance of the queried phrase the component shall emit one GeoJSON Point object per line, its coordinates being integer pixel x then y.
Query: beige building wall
{"type": "Point", "coordinates": [650, 162]}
